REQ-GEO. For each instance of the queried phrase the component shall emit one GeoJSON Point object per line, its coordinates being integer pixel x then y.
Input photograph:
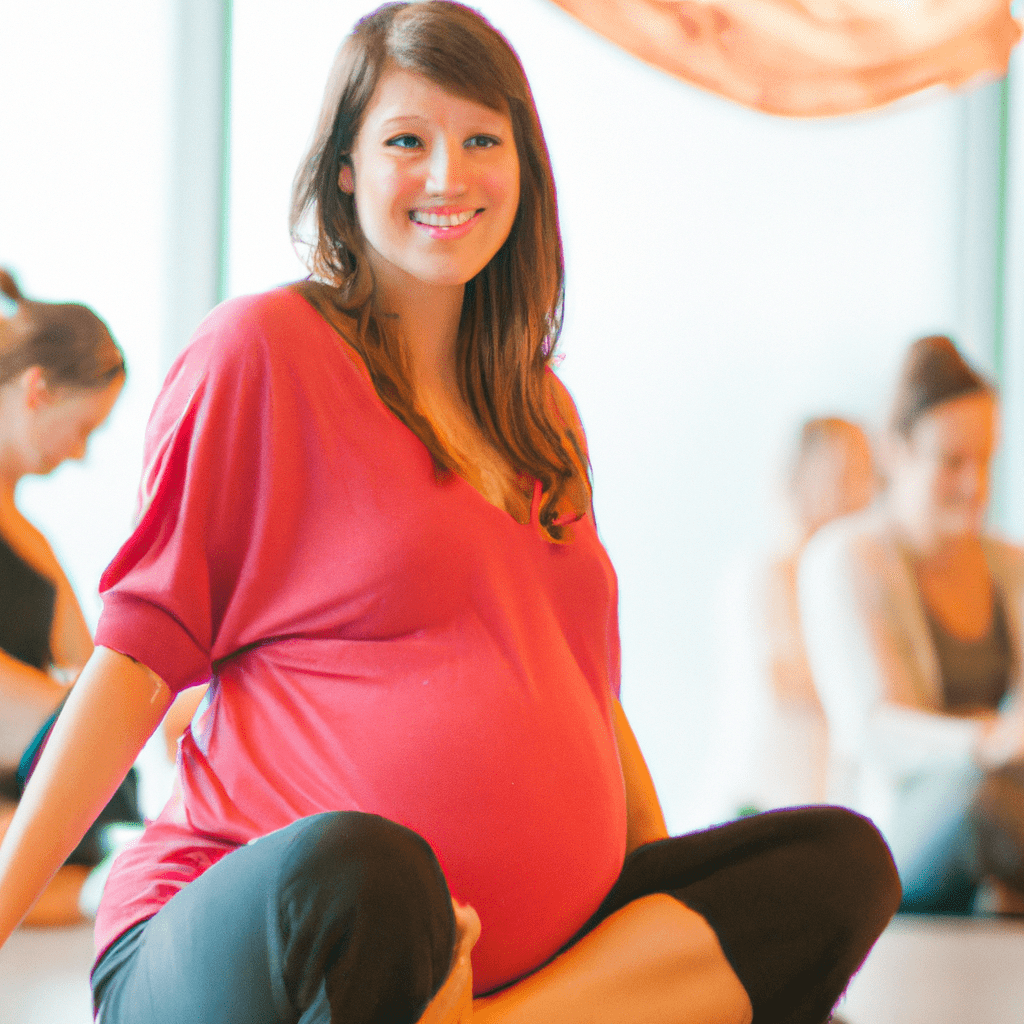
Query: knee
{"type": "Point", "coordinates": [861, 878]}
{"type": "Point", "coordinates": [379, 864]}
{"type": "Point", "coordinates": [363, 902]}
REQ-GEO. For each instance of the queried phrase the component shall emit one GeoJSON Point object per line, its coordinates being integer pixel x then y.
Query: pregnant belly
{"type": "Point", "coordinates": [516, 785]}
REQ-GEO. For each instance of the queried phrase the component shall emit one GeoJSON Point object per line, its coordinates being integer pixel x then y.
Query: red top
{"type": "Point", "coordinates": [377, 641]}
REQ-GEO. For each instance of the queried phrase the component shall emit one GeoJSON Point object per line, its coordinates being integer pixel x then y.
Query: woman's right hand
{"type": "Point", "coordinates": [453, 1003]}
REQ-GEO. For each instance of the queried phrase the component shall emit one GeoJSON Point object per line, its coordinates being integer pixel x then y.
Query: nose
{"type": "Point", "coordinates": [446, 173]}
{"type": "Point", "coordinates": [974, 479]}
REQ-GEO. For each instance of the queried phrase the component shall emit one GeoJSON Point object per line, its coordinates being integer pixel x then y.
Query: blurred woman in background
{"type": "Point", "coordinates": [60, 374]}
{"type": "Point", "coordinates": [912, 615]}
{"type": "Point", "coordinates": [772, 746]}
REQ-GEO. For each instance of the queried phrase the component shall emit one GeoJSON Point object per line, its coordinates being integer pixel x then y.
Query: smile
{"type": "Point", "coordinates": [442, 220]}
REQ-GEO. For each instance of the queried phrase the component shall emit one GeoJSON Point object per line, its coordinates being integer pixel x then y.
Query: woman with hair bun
{"type": "Point", "coordinates": [60, 374]}
{"type": "Point", "coordinates": [913, 616]}
{"type": "Point", "coordinates": [367, 523]}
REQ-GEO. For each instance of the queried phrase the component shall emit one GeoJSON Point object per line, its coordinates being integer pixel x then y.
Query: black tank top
{"type": "Point", "coordinates": [27, 602]}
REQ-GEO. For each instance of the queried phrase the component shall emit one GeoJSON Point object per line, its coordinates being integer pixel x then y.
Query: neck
{"type": "Point", "coordinates": [428, 326]}
{"type": "Point", "coordinates": [935, 550]}
{"type": "Point", "coordinates": [11, 471]}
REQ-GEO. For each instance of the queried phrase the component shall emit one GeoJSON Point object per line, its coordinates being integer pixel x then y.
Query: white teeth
{"type": "Point", "coordinates": [442, 220]}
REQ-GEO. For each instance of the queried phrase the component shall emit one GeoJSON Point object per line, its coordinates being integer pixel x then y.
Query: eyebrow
{"type": "Point", "coordinates": [399, 119]}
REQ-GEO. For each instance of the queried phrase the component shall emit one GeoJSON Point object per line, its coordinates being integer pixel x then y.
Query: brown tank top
{"type": "Point", "coordinates": [975, 673]}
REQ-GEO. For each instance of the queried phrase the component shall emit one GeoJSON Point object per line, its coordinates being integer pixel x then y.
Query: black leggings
{"type": "Point", "coordinates": [346, 917]}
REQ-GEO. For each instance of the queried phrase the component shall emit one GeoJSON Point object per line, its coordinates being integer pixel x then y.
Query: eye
{"type": "Point", "coordinates": [405, 141]}
{"type": "Point", "coordinates": [482, 142]}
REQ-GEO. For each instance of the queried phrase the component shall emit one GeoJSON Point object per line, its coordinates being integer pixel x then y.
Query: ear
{"type": "Point", "coordinates": [346, 180]}
{"type": "Point", "coordinates": [34, 388]}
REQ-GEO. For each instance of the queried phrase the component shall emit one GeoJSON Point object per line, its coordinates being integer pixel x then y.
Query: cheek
{"type": "Point", "coordinates": [502, 185]}
{"type": "Point", "coordinates": [382, 204]}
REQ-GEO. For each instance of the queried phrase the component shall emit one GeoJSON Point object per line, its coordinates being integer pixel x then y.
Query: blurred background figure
{"type": "Point", "coordinates": [832, 475]}
{"type": "Point", "coordinates": [60, 374]}
{"type": "Point", "coordinates": [912, 615]}
{"type": "Point", "coordinates": [773, 723]}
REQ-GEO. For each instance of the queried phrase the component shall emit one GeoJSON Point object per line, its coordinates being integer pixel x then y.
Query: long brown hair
{"type": "Point", "coordinates": [67, 341]}
{"type": "Point", "coordinates": [512, 310]}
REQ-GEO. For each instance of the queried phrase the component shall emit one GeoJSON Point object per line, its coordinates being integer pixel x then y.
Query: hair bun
{"type": "Point", "coordinates": [9, 286]}
{"type": "Point", "coordinates": [934, 371]}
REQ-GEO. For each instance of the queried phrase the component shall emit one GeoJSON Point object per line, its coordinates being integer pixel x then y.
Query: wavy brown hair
{"type": "Point", "coordinates": [67, 341]}
{"type": "Point", "coordinates": [512, 310]}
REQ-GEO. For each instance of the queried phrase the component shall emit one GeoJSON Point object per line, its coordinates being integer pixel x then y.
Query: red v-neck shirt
{"type": "Point", "coordinates": [376, 640]}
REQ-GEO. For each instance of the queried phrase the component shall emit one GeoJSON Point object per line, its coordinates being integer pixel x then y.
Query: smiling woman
{"type": "Point", "coordinates": [914, 618]}
{"type": "Point", "coordinates": [367, 524]}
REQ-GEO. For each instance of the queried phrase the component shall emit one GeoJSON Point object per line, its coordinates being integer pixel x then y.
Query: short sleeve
{"type": "Point", "coordinates": [169, 592]}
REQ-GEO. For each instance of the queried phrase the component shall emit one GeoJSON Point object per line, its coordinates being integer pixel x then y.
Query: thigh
{"type": "Point", "coordinates": [337, 910]}
{"type": "Point", "coordinates": [796, 897]}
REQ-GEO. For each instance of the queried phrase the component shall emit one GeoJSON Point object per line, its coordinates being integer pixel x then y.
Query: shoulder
{"type": "Point", "coordinates": [245, 345]}
{"type": "Point", "coordinates": [1006, 562]}
{"type": "Point", "coordinates": [861, 552]}
{"type": "Point", "coordinates": [861, 538]}
{"type": "Point", "coordinates": [269, 325]}
{"type": "Point", "coordinates": [561, 403]}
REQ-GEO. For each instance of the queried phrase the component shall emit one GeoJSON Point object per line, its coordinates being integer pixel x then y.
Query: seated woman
{"type": "Point", "coordinates": [368, 525]}
{"type": "Point", "coordinates": [60, 374]}
{"type": "Point", "coordinates": [832, 475]}
{"type": "Point", "coordinates": [771, 750]}
{"type": "Point", "coordinates": [912, 616]}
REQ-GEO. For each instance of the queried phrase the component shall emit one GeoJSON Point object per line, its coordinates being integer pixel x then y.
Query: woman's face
{"type": "Point", "coordinates": [942, 471]}
{"type": "Point", "coordinates": [838, 479]}
{"type": "Point", "coordinates": [436, 183]}
{"type": "Point", "coordinates": [60, 421]}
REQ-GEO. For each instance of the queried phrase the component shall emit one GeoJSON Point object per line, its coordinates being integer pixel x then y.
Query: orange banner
{"type": "Point", "coordinates": [809, 58]}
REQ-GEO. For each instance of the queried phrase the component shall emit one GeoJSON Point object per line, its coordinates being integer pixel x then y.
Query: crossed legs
{"type": "Point", "coordinates": [347, 917]}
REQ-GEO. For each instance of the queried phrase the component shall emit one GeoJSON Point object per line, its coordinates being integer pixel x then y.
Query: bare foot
{"type": "Point", "coordinates": [453, 1003]}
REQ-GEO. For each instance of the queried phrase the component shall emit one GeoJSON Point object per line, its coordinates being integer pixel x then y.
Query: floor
{"type": "Point", "coordinates": [922, 971]}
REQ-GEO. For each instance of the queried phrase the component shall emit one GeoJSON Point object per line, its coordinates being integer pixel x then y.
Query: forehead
{"type": "Point", "coordinates": [406, 95]}
{"type": "Point", "coordinates": [959, 423]}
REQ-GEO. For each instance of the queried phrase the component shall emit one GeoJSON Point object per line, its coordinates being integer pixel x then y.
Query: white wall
{"type": "Point", "coordinates": [83, 153]}
{"type": "Point", "coordinates": [728, 274]}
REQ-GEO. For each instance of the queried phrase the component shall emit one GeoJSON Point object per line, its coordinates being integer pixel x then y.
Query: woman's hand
{"type": "Point", "coordinates": [453, 1003]}
{"type": "Point", "coordinates": [1002, 736]}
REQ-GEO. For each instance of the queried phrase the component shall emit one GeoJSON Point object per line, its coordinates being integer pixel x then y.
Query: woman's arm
{"type": "Point", "coordinates": [644, 819]}
{"type": "Point", "coordinates": [28, 697]}
{"type": "Point", "coordinates": [114, 708]}
{"type": "Point", "coordinates": [70, 639]}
